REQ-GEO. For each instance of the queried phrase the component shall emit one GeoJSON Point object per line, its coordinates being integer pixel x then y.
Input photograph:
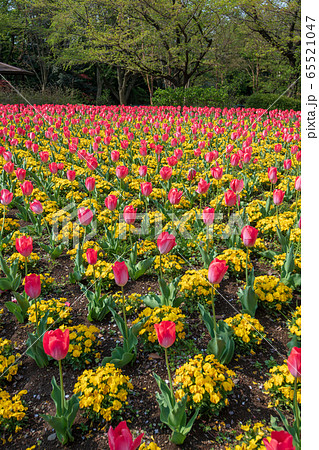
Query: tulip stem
{"type": "Point", "coordinates": [160, 266]}
{"type": "Point", "coordinates": [169, 372]}
{"type": "Point", "coordinates": [213, 307]}
{"type": "Point", "coordinates": [129, 231]}
{"type": "Point", "coordinates": [277, 211]}
{"type": "Point", "coordinates": [61, 385]}
{"type": "Point", "coordinates": [124, 313]}
{"type": "Point", "coordinates": [26, 265]}
{"type": "Point", "coordinates": [246, 266]}
{"type": "Point", "coordinates": [3, 220]}
{"type": "Point", "coordinates": [296, 405]}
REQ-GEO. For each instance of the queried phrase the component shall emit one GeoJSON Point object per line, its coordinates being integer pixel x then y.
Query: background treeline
{"type": "Point", "coordinates": [178, 52]}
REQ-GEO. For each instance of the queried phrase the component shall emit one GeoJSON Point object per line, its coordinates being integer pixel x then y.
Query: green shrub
{"type": "Point", "coordinates": [265, 101]}
{"type": "Point", "coordinates": [57, 96]}
{"type": "Point", "coordinates": [193, 96]}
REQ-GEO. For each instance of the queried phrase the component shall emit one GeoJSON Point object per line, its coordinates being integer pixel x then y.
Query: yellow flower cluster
{"type": "Point", "coordinates": [8, 368]}
{"type": "Point", "coordinates": [280, 259]}
{"type": "Point", "coordinates": [294, 323]}
{"type": "Point", "coordinates": [102, 392]}
{"type": "Point", "coordinates": [248, 332]}
{"type": "Point", "coordinates": [268, 225]}
{"type": "Point", "coordinates": [235, 259]}
{"type": "Point", "coordinates": [280, 387]}
{"type": "Point", "coordinates": [157, 315]}
{"type": "Point", "coordinates": [170, 263]}
{"type": "Point", "coordinates": [253, 211]}
{"type": "Point", "coordinates": [145, 247]}
{"type": "Point", "coordinates": [58, 311]}
{"type": "Point", "coordinates": [194, 284]}
{"type": "Point", "coordinates": [101, 269]}
{"type": "Point", "coordinates": [10, 225]}
{"type": "Point", "coordinates": [12, 411]}
{"type": "Point", "coordinates": [252, 438]}
{"type": "Point", "coordinates": [132, 302]}
{"type": "Point", "coordinates": [150, 446]}
{"type": "Point", "coordinates": [46, 281]}
{"type": "Point", "coordinates": [32, 258]}
{"type": "Point", "coordinates": [272, 292]}
{"type": "Point", "coordinates": [206, 382]}
{"type": "Point", "coordinates": [83, 345]}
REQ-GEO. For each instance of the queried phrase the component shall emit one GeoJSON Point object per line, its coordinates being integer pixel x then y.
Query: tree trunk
{"type": "Point", "coordinates": [126, 81]}
{"type": "Point", "coordinates": [99, 84]}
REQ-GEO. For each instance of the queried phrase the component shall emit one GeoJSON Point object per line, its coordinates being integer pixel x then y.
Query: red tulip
{"type": "Point", "coordinates": [230, 198]}
{"type": "Point", "coordinates": [53, 167]}
{"type": "Point", "coordinates": [27, 188]}
{"type": "Point", "coordinates": [249, 235]}
{"type": "Point", "coordinates": [298, 183]}
{"type": "Point", "coordinates": [85, 216]}
{"type": "Point", "coordinates": [32, 285]}
{"type": "Point", "coordinates": [5, 197]}
{"type": "Point", "coordinates": [280, 440]}
{"type": "Point", "coordinates": [165, 242]}
{"type": "Point", "coordinates": [236, 185]}
{"type": "Point", "coordinates": [166, 173]}
{"type": "Point", "coordinates": [44, 156]}
{"type": "Point", "coordinates": [278, 196]}
{"type": "Point", "coordinates": [111, 202]}
{"type": "Point", "coordinates": [20, 174]}
{"type": "Point", "coordinates": [91, 256]}
{"type": "Point", "coordinates": [142, 170]}
{"type": "Point", "coordinates": [90, 183]}
{"type": "Point", "coordinates": [208, 216]}
{"type": "Point", "coordinates": [174, 196]}
{"type": "Point", "coordinates": [146, 188]}
{"type": "Point", "coordinates": [172, 161]}
{"type": "Point", "coordinates": [272, 174]}
{"type": "Point", "coordinates": [8, 167]}
{"type": "Point", "coordinates": [202, 187]}
{"type": "Point", "coordinates": [217, 172]}
{"type": "Point", "coordinates": [121, 172]}
{"type": "Point", "coordinates": [129, 214]}
{"type": "Point", "coordinates": [216, 271]}
{"type": "Point", "coordinates": [294, 362]}
{"type": "Point", "coordinates": [166, 333]}
{"type": "Point", "coordinates": [191, 174]}
{"type": "Point", "coordinates": [121, 438]}
{"type": "Point", "coordinates": [24, 245]}
{"type": "Point", "coordinates": [36, 207]}
{"type": "Point", "coordinates": [71, 174]}
{"type": "Point", "coordinates": [60, 166]}
{"type": "Point", "coordinates": [56, 343]}
{"type": "Point", "coordinates": [287, 164]}
{"type": "Point", "coordinates": [120, 273]}
{"type": "Point", "coordinates": [278, 148]}
{"type": "Point", "coordinates": [91, 163]}
{"type": "Point", "coordinates": [115, 155]}
{"type": "Point", "coordinates": [234, 159]}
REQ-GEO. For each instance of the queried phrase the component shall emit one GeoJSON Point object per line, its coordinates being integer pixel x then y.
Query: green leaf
{"type": "Point", "coordinates": [16, 310]}
{"type": "Point", "coordinates": [5, 284]}
{"type": "Point", "coordinates": [207, 320]}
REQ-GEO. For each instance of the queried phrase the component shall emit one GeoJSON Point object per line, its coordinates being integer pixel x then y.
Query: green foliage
{"type": "Point", "coordinates": [66, 411]}
{"type": "Point", "coordinates": [273, 101]}
{"type": "Point", "coordinates": [222, 344]}
{"type": "Point", "coordinates": [173, 413]}
{"type": "Point", "coordinates": [52, 95]}
{"type": "Point", "coordinates": [192, 96]}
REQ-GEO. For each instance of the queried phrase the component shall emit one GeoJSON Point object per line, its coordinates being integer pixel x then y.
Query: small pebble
{"type": "Point", "coordinates": [52, 437]}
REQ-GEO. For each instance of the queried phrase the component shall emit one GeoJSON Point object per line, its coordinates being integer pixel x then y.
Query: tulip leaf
{"type": "Point", "coordinates": [16, 310]}
{"type": "Point", "coordinates": [5, 284]}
